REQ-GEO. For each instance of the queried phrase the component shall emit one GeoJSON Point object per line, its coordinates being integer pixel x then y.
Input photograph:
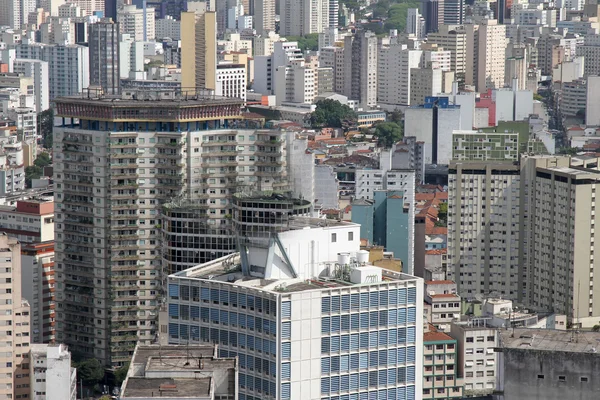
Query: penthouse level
{"type": "Point", "coordinates": [137, 105]}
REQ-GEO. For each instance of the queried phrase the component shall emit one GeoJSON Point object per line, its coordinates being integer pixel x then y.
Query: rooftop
{"type": "Point", "coordinates": [138, 387]}
{"type": "Point", "coordinates": [550, 340]}
{"type": "Point", "coordinates": [435, 337]}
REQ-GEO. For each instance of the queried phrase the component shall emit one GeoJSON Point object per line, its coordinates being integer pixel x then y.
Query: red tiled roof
{"type": "Point", "coordinates": [436, 251]}
{"type": "Point", "coordinates": [334, 141]}
{"type": "Point", "coordinates": [363, 151]}
{"type": "Point", "coordinates": [435, 337]}
{"type": "Point", "coordinates": [436, 230]}
{"type": "Point", "coordinates": [575, 128]}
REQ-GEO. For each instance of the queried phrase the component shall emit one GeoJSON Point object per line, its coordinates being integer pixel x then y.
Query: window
{"type": "Point", "coordinates": [333, 237]}
{"type": "Point", "coordinates": [562, 378]}
{"type": "Point", "coordinates": [540, 376]}
{"type": "Point", "coordinates": [583, 379]}
{"type": "Point", "coordinates": [469, 340]}
{"type": "Point", "coordinates": [350, 236]}
{"type": "Point", "coordinates": [490, 338]}
{"type": "Point", "coordinates": [490, 373]}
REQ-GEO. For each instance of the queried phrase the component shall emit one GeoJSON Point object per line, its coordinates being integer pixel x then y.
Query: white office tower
{"type": "Point", "coordinates": [139, 23]}
{"type": "Point", "coordinates": [231, 80]}
{"type": "Point", "coordinates": [415, 24]}
{"type": "Point", "coordinates": [394, 64]}
{"type": "Point", "coordinates": [50, 372]}
{"type": "Point", "coordinates": [306, 316]}
{"type": "Point", "coordinates": [334, 10]}
{"type": "Point", "coordinates": [360, 68]}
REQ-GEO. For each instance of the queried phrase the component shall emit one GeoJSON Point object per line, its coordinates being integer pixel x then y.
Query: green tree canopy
{"type": "Point", "coordinates": [332, 114]}
{"type": "Point", "coordinates": [121, 374]}
{"type": "Point", "coordinates": [33, 172]}
{"type": "Point", "coordinates": [396, 117]}
{"type": "Point", "coordinates": [46, 127]}
{"type": "Point", "coordinates": [306, 42]}
{"type": "Point", "coordinates": [388, 133]}
{"type": "Point", "coordinates": [90, 371]}
{"type": "Point", "coordinates": [43, 160]}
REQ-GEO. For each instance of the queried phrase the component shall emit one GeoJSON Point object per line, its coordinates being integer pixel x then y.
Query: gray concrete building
{"type": "Point", "coordinates": [548, 364]}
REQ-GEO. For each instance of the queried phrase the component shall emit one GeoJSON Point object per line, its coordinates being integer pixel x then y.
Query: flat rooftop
{"type": "Point", "coordinates": [166, 388]}
{"type": "Point", "coordinates": [550, 340]}
{"type": "Point", "coordinates": [149, 101]}
{"type": "Point", "coordinates": [143, 353]}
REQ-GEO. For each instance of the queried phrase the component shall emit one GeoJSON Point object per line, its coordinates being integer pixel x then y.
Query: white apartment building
{"type": "Point", "coordinates": [68, 66]}
{"type": "Point", "coordinates": [264, 45]}
{"type": "Point", "coordinates": [70, 10]}
{"type": "Point", "coordinates": [231, 81]}
{"type": "Point", "coordinates": [477, 359]}
{"type": "Point", "coordinates": [452, 38]}
{"type": "Point", "coordinates": [12, 168]}
{"type": "Point", "coordinates": [13, 13]}
{"type": "Point", "coordinates": [302, 326]}
{"type": "Point", "coordinates": [264, 17]}
{"type": "Point", "coordinates": [167, 27]}
{"type": "Point", "coordinates": [14, 323]}
{"type": "Point", "coordinates": [284, 53]}
{"type": "Point", "coordinates": [415, 23]}
{"type": "Point", "coordinates": [39, 71]}
{"type": "Point", "coordinates": [303, 17]}
{"type": "Point", "coordinates": [425, 82]}
{"type": "Point", "coordinates": [131, 57]}
{"type": "Point", "coordinates": [57, 30]}
{"type": "Point", "coordinates": [326, 187]}
{"type": "Point", "coordinates": [394, 64]}
{"type": "Point", "coordinates": [486, 48]}
{"type": "Point", "coordinates": [370, 180]}
{"type": "Point", "coordinates": [295, 83]}
{"type": "Point", "coordinates": [137, 22]}
{"type": "Point", "coordinates": [50, 373]}
{"type": "Point", "coordinates": [483, 228]}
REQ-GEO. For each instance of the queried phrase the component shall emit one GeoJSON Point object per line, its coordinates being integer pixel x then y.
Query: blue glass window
{"type": "Point", "coordinates": [393, 297]}
{"type": "Point", "coordinates": [286, 309]}
{"type": "Point", "coordinates": [373, 379]}
{"type": "Point", "coordinates": [402, 296]}
{"type": "Point", "coordinates": [242, 320]}
{"type": "Point", "coordinates": [335, 384]}
{"type": "Point", "coordinates": [233, 318]}
{"type": "Point", "coordinates": [354, 301]}
{"type": "Point", "coordinates": [382, 378]}
{"type": "Point", "coordinates": [363, 380]}
{"type": "Point", "coordinates": [363, 360]}
{"type": "Point", "coordinates": [335, 343]}
{"type": "Point", "coordinates": [374, 299]}
{"type": "Point", "coordinates": [373, 358]}
{"type": "Point", "coordinates": [250, 342]}
{"type": "Point", "coordinates": [335, 303]}
{"type": "Point", "coordinates": [392, 357]}
{"type": "Point", "coordinates": [354, 324]}
{"type": "Point", "coordinates": [233, 336]}
{"type": "Point", "coordinates": [383, 318]}
{"type": "Point", "coordinates": [233, 299]}
{"type": "Point", "coordinates": [364, 340]}
{"type": "Point", "coordinates": [392, 336]}
{"type": "Point", "coordinates": [401, 374]}
{"type": "Point", "coordinates": [412, 315]}
{"type": "Point", "coordinates": [195, 313]}
{"type": "Point", "coordinates": [335, 323]}
{"type": "Point", "coordinates": [410, 354]}
{"type": "Point", "coordinates": [354, 382]}
{"type": "Point", "coordinates": [224, 317]}
{"type": "Point", "coordinates": [401, 335]}
{"type": "Point", "coordinates": [392, 317]}
{"type": "Point", "coordinates": [286, 370]}
{"type": "Point", "coordinates": [286, 350]}
{"type": "Point", "coordinates": [242, 340]}
{"type": "Point", "coordinates": [410, 393]}
{"type": "Point", "coordinates": [335, 364]}
{"type": "Point", "coordinates": [325, 365]}
{"type": "Point", "coordinates": [410, 374]}
{"type": "Point", "coordinates": [325, 385]}
{"type": "Point", "coordinates": [174, 310]}
{"type": "Point", "coordinates": [242, 300]}
{"type": "Point", "coordinates": [214, 315]}
{"type": "Point", "coordinates": [250, 322]}
{"type": "Point", "coordinates": [250, 300]}
{"type": "Point", "coordinates": [402, 393]}
{"type": "Point", "coordinates": [325, 304]}
{"type": "Point", "coordinates": [401, 315]}
{"type": "Point", "coordinates": [373, 336]}
{"type": "Point", "coordinates": [401, 355]}
{"type": "Point", "coordinates": [412, 295]}
{"type": "Point", "coordinates": [224, 297]}
{"type": "Point", "coordinates": [364, 320]}
{"type": "Point", "coordinates": [383, 338]}
{"type": "Point", "coordinates": [345, 302]}
{"type": "Point", "coordinates": [173, 291]}
{"type": "Point", "coordinates": [383, 357]}
{"type": "Point", "coordinates": [214, 295]}
{"type": "Point", "coordinates": [286, 330]}
{"type": "Point", "coordinates": [174, 330]}
{"type": "Point", "coordinates": [204, 313]}
{"type": "Point", "coordinates": [325, 344]}
{"type": "Point", "coordinates": [345, 343]}
{"type": "Point", "coordinates": [344, 363]}
{"type": "Point", "coordinates": [373, 319]}
{"type": "Point", "coordinates": [364, 301]}
{"type": "Point", "coordinates": [344, 385]}
{"type": "Point", "coordinates": [285, 391]}
{"type": "Point", "coordinates": [410, 334]}
{"type": "Point", "coordinates": [354, 341]}
{"type": "Point", "coordinates": [345, 320]}
{"type": "Point", "coordinates": [383, 298]}
{"type": "Point", "coordinates": [354, 361]}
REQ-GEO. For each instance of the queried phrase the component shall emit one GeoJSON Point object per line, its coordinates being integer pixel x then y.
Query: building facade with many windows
{"type": "Point", "coordinates": [306, 315]}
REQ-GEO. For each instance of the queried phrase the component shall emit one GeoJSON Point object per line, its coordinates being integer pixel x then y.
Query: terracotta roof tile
{"type": "Point", "coordinates": [436, 251]}
{"type": "Point", "coordinates": [446, 282]}
{"type": "Point", "coordinates": [435, 337]}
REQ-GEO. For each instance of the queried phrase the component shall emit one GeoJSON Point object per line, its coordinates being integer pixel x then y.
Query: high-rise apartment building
{"type": "Point", "coordinates": [360, 68]}
{"type": "Point", "coordinates": [68, 66]}
{"type": "Point", "coordinates": [199, 50]}
{"type": "Point", "coordinates": [32, 223]}
{"type": "Point", "coordinates": [103, 43]}
{"type": "Point", "coordinates": [296, 83]}
{"type": "Point", "coordinates": [433, 14]}
{"type": "Point", "coordinates": [394, 64]}
{"type": "Point", "coordinates": [483, 227]}
{"type": "Point", "coordinates": [137, 22]}
{"type": "Point", "coordinates": [452, 38]}
{"type": "Point", "coordinates": [51, 374]}
{"type": "Point", "coordinates": [264, 16]}
{"type": "Point", "coordinates": [415, 24]}
{"type": "Point", "coordinates": [303, 17]}
{"type": "Point", "coordinates": [558, 220]}
{"type": "Point", "coordinates": [334, 10]}
{"type": "Point", "coordinates": [14, 13]}
{"type": "Point", "coordinates": [14, 323]}
{"type": "Point", "coordinates": [113, 170]}
{"type": "Point", "coordinates": [303, 327]}
{"type": "Point", "coordinates": [39, 71]}
{"type": "Point", "coordinates": [454, 12]}
{"type": "Point", "coordinates": [486, 59]}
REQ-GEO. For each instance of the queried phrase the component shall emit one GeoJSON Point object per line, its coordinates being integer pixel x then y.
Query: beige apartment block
{"type": "Point", "coordinates": [14, 323]}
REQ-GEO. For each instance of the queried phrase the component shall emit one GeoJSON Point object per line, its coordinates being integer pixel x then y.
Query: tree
{"type": "Point", "coordinates": [596, 328]}
{"type": "Point", "coordinates": [46, 127]}
{"type": "Point", "coordinates": [121, 374]}
{"type": "Point", "coordinates": [306, 42]}
{"type": "Point", "coordinates": [332, 114]}
{"type": "Point", "coordinates": [33, 172]}
{"type": "Point", "coordinates": [396, 117]}
{"type": "Point", "coordinates": [43, 160]}
{"type": "Point", "coordinates": [443, 214]}
{"type": "Point", "coordinates": [388, 133]}
{"type": "Point", "coordinates": [90, 371]}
